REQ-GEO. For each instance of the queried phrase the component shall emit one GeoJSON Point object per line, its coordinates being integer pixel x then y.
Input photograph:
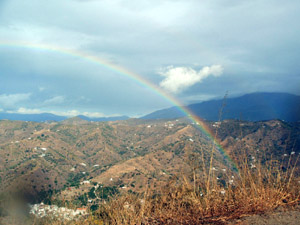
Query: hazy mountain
{"type": "Point", "coordinates": [251, 107]}
{"type": "Point", "coordinates": [52, 117]}
{"type": "Point", "coordinates": [113, 118]}
{"type": "Point", "coordinates": [32, 117]}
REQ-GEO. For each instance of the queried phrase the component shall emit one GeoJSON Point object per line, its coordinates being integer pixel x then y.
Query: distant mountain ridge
{"type": "Point", "coordinates": [250, 107]}
{"type": "Point", "coordinates": [98, 119]}
{"type": "Point", "coordinates": [43, 117]}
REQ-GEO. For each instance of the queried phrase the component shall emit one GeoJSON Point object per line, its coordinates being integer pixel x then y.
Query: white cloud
{"type": "Point", "coordinates": [200, 97]}
{"type": "Point", "coordinates": [55, 100]}
{"type": "Point", "coordinates": [178, 79]}
{"type": "Point", "coordinates": [23, 110]}
{"type": "Point", "coordinates": [31, 33]}
{"type": "Point", "coordinates": [42, 89]}
{"type": "Point", "coordinates": [10, 100]}
{"type": "Point", "coordinates": [93, 114]}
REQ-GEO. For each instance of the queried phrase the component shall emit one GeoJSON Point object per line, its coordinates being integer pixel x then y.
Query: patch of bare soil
{"type": "Point", "coordinates": [280, 216]}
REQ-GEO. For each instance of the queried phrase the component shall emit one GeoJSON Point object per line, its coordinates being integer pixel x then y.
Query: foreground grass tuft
{"type": "Point", "coordinates": [251, 190]}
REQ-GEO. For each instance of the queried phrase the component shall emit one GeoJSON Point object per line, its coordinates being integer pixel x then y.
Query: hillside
{"type": "Point", "coordinates": [250, 107]}
{"type": "Point", "coordinates": [39, 158]}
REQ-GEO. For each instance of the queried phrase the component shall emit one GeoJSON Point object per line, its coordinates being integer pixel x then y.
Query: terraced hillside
{"type": "Point", "coordinates": [38, 157]}
{"type": "Point", "coordinates": [74, 156]}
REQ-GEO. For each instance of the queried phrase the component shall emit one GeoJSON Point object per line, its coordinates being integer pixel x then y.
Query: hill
{"type": "Point", "coordinates": [133, 153]}
{"type": "Point", "coordinates": [31, 117]}
{"type": "Point", "coordinates": [51, 156]}
{"type": "Point", "coordinates": [99, 119]}
{"type": "Point", "coordinates": [250, 107]}
{"type": "Point", "coordinates": [77, 163]}
{"type": "Point", "coordinates": [43, 117]}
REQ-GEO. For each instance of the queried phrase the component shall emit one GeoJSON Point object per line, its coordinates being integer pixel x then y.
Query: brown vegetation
{"type": "Point", "coordinates": [184, 182]}
{"type": "Point", "coordinates": [251, 191]}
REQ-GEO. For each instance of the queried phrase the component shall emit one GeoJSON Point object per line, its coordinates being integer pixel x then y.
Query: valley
{"type": "Point", "coordinates": [81, 164]}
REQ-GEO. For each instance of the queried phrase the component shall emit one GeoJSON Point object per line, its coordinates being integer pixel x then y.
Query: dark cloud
{"type": "Point", "coordinates": [256, 42]}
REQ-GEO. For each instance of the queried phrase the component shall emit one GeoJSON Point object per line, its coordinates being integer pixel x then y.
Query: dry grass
{"type": "Point", "coordinates": [260, 184]}
{"type": "Point", "coordinates": [257, 187]}
{"type": "Point", "coordinates": [205, 200]}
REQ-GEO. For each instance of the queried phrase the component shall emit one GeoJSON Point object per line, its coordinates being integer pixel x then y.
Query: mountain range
{"type": "Point", "coordinates": [250, 107]}
{"type": "Point", "coordinates": [43, 117]}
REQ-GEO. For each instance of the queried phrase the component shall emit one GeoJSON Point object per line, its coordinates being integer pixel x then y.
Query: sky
{"type": "Point", "coordinates": [193, 50]}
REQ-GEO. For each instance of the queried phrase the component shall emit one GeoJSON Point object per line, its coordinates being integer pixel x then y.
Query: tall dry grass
{"type": "Point", "coordinates": [258, 186]}
{"type": "Point", "coordinates": [210, 195]}
{"type": "Point", "coordinates": [250, 190]}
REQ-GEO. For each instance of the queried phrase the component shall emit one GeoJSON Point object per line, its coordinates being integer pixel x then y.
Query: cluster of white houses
{"type": "Point", "coordinates": [41, 210]}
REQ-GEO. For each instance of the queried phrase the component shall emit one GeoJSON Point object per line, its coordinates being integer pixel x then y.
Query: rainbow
{"type": "Point", "coordinates": [199, 123]}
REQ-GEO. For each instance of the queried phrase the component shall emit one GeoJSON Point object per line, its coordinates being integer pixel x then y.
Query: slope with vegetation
{"type": "Point", "coordinates": [151, 172]}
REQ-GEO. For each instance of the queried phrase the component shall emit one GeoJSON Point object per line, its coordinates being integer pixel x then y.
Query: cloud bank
{"type": "Point", "coordinates": [260, 53]}
{"type": "Point", "coordinates": [55, 100]}
{"type": "Point", "coordinates": [10, 100]}
{"type": "Point", "coordinates": [178, 79]}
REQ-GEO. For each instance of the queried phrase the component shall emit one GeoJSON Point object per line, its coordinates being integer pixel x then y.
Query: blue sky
{"type": "Point", "coordinates": [194, 50]}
